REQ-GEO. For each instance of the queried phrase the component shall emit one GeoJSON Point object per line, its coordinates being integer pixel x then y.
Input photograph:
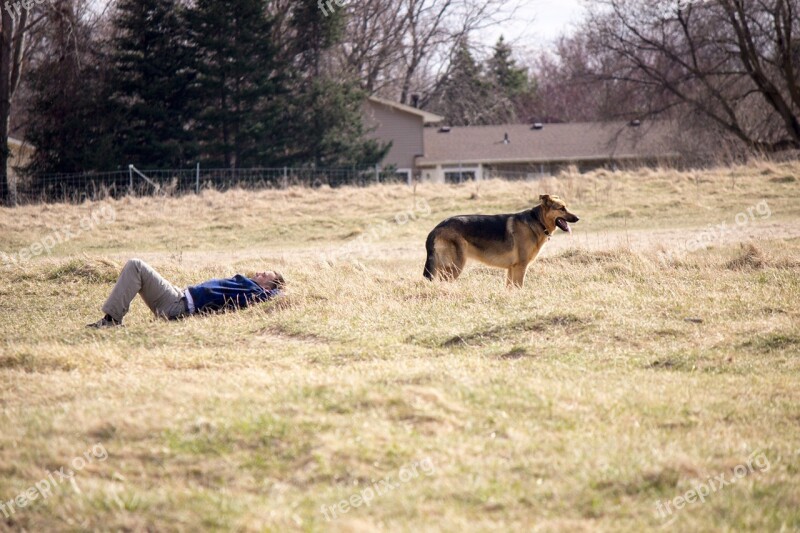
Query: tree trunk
{"type": "Point", "coordinates": [12, 46]}
{"type": "Point", "coordinates": [6, 37]}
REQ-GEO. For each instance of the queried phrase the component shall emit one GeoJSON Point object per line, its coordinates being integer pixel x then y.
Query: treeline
{"type": "Point", "coordinates": [478, 93]}
{"type": "Point", "coordinates": [726, 71]}
{"type": "Point", "coordinates": [241, 83]}
{"type": "Point", "coordinates": [165, 84]}
{"type": "Point", "coordinates": [244, 83]}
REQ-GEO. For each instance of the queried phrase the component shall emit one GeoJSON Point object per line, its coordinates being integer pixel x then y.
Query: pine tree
{"type": "Point", "coordinates": [331, 128]}
{"type": "Point", "coordinates": [240, 83]}
{"type": "Point", "coordinates": [472, 94]}
{"type": "Point", "coordinates": [314, 32]}
{"type": "Point", "coordinates": [153, 75]}
{"type": "Point", "coordinates": [325, 121]}
{"type": "Point", "coordinates": [504, 72]}
{"type": "Point", "coordinates": [464, 94]}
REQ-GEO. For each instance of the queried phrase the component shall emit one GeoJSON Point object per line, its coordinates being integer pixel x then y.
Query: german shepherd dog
{"type": "Point", "coordinates": [501, 241]}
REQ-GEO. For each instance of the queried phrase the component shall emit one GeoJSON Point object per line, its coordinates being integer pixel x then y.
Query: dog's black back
{"type": "Point", "coordinates": [483, 232]}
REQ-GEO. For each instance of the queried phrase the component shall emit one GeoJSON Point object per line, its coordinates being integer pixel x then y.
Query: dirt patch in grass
{"type": "Point", "coordinates": [622, 213]}
{"type": "Point", "coordinates": [285, 332]}
{"type": "Point", "coordinates": [773, 342]}
{"type": "Point", "coordinates": [567, 323]}
{"type": "Point", "coordinates": [670, 363]}
{"type": "Point", "coordinates": [515, 353]}
{"type": "Point", "coordinates": [32, 363]}
{"type": "Point", "coordinates": [648, 483]}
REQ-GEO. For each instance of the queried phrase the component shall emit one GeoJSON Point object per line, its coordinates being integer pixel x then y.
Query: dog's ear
{"type": "Point", "coordinates": [546, 199]}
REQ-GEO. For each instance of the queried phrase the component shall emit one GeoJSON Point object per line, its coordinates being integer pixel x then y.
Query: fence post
{"type": "Point", "coordinates": [130, 176]}
{"type": "Point", "coordinates": [197, 180]}
{"type": "Point", "coordinates": [377, 174]}
{"type": "Point", "coordinates": [285, 178]}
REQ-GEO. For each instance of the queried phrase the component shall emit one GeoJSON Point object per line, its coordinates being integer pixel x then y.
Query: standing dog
{"type": "Point", "coordinates": [502, 241]}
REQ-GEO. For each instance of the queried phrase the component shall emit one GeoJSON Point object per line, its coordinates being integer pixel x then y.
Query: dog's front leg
{"type": "Point", "coordinates": [516, 275]}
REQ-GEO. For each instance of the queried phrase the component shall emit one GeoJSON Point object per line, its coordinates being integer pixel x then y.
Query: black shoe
{"type": "Point", "coordinates": [105, 322]}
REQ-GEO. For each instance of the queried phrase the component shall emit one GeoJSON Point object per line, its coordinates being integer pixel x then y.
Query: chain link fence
{"type": "Point", "coordinates": [139, 182]}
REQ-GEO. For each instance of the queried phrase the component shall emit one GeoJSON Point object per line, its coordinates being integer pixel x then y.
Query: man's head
{"type": "Point", "coordinates": [269, 280]}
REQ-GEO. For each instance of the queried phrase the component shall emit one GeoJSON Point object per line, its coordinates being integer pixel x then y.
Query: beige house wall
{"type": "Point", "coordinates": [402, 129]}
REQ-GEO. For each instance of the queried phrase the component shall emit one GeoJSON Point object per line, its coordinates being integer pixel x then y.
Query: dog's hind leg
{"type": "Point", "coordinates": [430, 261]}
{"type": "Point", "coordinates": [450, 259]}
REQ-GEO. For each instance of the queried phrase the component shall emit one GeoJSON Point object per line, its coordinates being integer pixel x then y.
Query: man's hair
{"type": "Point", "coordinates": [280, 282]}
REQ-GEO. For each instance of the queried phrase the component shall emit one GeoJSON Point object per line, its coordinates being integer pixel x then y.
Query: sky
{"type": "Point", "coordinates": [537, 23]}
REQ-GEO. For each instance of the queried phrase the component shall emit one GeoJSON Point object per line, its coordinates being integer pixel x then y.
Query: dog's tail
{"type": "Point", "coordinates": [431, 260]}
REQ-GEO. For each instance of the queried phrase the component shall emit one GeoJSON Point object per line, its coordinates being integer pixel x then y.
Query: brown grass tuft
{"type": "Point", "coordinates": [85, 269]}
{"type": "Point", "coordinates": [617, 256]}
{"type": "Point", "coordinates": [750, 258]}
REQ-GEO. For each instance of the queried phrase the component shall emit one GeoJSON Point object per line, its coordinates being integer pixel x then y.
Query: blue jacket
{"type": "Point", "coordinates": [233, 293]}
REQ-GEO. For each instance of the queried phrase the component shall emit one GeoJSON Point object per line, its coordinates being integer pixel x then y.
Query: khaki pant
{"type": "Point", "coordinates": [137, 277]}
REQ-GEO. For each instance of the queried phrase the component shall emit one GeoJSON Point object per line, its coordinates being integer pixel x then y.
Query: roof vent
{"type": "Point", "coordinates": [537, 126]}
{"type": "Point", "coordinates": [444, 129]}
{"type": "Point", "coordinates": [506, 139]}
{"type": "Point", "coordinates": [636, 123]}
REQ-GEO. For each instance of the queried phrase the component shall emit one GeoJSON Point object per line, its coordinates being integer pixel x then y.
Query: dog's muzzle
{"type": "Point", "coordinates": [563, 223]}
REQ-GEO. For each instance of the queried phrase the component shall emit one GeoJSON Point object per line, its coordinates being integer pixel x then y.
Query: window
{"type": "Point", "coordinates": [459, 176]}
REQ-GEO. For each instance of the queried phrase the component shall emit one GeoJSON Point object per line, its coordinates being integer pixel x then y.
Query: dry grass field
{"type": "Point", "coordinates": [654, 352]}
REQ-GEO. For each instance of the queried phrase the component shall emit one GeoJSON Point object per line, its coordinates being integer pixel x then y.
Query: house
{"type": "Point", "coordinates": [401, 125]}
{"type": "Point", "coordinates": [524, 151]}
{"type": "Point", "coordinates": [444, 154]}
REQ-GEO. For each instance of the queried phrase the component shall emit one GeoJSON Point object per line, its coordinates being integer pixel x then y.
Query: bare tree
{"type": "Point", "coordinates": [470, 94]}
{"type": "Point", "coordinates": [564, 90]}
{"type": "Point", "coordinates": [434, 26]}
{"type": "Point", "coordinates": [12, 46]}
{"type": "Point", "coordinates": [766, 38]}
{"type": "Point", "coordinates": [730, 61]}
{"type": "Point", "coordinates": [373, 44]}
{"type": "Point", "coordinates": [400, 47]}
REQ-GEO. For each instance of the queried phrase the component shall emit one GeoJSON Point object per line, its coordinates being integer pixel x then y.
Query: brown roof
{"type": "Point", "coordinates": [427, 118]}
{"type": "Point", "coordinates": [590, 141]}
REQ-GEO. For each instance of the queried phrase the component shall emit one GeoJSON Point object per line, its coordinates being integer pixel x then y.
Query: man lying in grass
{"type": "Point", "coordinates": [170, 302]}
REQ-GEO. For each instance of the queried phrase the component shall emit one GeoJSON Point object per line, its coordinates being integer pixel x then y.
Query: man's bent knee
{"type": "Point", "coordinates": [135, 263]}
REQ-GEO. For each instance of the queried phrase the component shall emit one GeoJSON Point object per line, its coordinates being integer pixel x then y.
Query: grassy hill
{"type": "Point", "coordinates": [651, 352]}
